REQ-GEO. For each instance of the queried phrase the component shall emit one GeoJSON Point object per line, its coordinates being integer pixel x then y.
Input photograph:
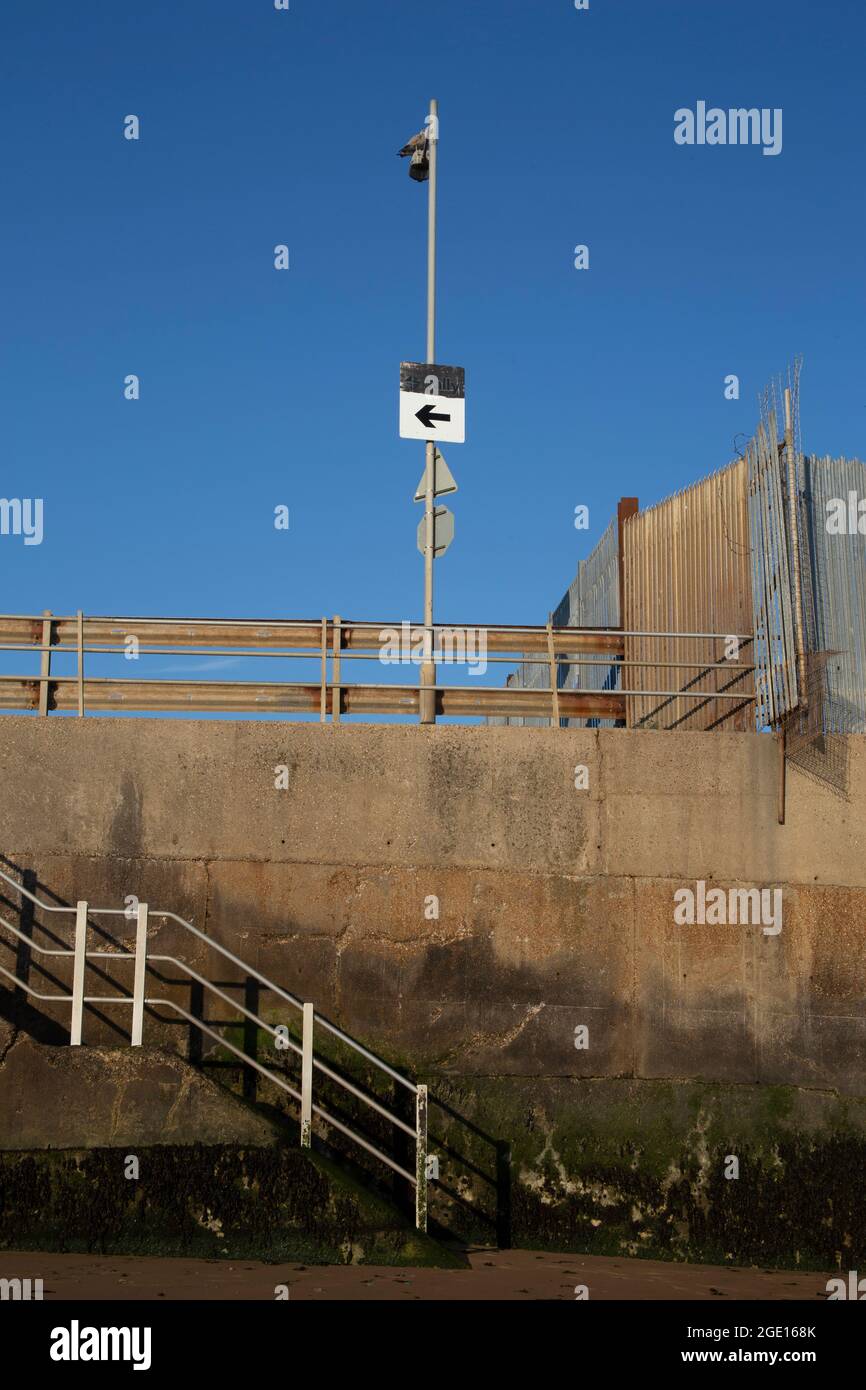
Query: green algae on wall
{"type": "Point", "coordinates": [640, 1169]}
{"type": "Point", "coordinates": [272, 1204]}
{"type": "Point", "coordinates": [625, 1167]}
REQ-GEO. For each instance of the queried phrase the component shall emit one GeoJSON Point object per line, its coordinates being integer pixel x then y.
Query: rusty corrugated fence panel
{"type": "Point", "coordinates": [688, 570]}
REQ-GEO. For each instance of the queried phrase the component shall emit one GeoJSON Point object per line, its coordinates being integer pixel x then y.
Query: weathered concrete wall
{"type": "Point", "coordinates": [118, 1097]}
{"type": "Point", "coordinates": [555, 905]}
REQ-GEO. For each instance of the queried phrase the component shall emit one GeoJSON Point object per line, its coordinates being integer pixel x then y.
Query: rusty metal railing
{"type": "Point", "coordinates": [333, 642]}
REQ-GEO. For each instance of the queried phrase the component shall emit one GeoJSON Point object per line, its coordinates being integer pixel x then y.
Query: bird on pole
{"type": "Point", "coordinates": [419, 164]}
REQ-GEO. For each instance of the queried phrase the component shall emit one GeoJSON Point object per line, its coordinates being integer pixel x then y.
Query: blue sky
{"type": "Point", "coordinates": [261, 387]}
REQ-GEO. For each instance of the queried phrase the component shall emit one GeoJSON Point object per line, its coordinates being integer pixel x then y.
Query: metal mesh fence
{"type": "Point", "coordinates": [750, 582]}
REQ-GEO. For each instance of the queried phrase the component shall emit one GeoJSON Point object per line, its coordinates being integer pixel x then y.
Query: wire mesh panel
{"type": "Point", "coordinates": [781, 580]}
{"type": "Point", "coordinates": [687, 571]}
{"type": "Point", "coordinates": [775, 654]}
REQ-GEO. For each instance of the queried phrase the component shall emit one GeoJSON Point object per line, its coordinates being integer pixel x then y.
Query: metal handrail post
{"type": "Point", "coordinates": [80, 645]}
{"type": "Point", "coordinates": [554, 673]}
{"type": "Point", "coordinates": [307, 1078]}
{"type": "Point", "coordinates": [139, 974]}
{"type": "Point", "coordinates": [323, 692]}
{"type": "Point", "coordinates": [45, 664]}
{"type": "Point", "coordinates": [336, 687]}
{"type": "Point", "coordinates": [421, 1158]}
{"type": "Point", "coordinates": [79, 966]}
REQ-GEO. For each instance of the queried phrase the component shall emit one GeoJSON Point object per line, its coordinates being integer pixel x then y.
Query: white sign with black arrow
{"type": "Point", "coordinates": [432, 402]}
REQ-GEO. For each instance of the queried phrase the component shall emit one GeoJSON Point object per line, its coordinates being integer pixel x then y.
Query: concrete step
{"type": "Point", "coordinates": [134, 1151]}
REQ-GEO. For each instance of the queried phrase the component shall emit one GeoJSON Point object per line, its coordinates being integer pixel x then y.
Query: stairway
{"type": "Point", "coordinates": [302, 1072]}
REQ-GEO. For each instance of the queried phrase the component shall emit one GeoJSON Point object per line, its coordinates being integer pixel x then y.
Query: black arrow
{"type": "Point", "coordinates": [427, 415]}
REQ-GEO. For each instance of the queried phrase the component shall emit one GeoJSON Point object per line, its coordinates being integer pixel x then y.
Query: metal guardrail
{"type": "Point", "coordinates": [335, 641]}
{"type": "Point", "coordinates": [139, 999]}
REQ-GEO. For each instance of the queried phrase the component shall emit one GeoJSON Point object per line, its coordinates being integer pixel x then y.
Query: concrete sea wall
{"type": "Point", "coordinates": [452, 898]}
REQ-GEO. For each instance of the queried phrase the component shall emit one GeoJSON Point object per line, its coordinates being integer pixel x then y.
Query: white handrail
{"type": "Point", "coordinates": [235, 960]}
{"type": "Point", "coordinates": [122, 956]}
{"type": "Point", "coordinates": [138, 999]}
